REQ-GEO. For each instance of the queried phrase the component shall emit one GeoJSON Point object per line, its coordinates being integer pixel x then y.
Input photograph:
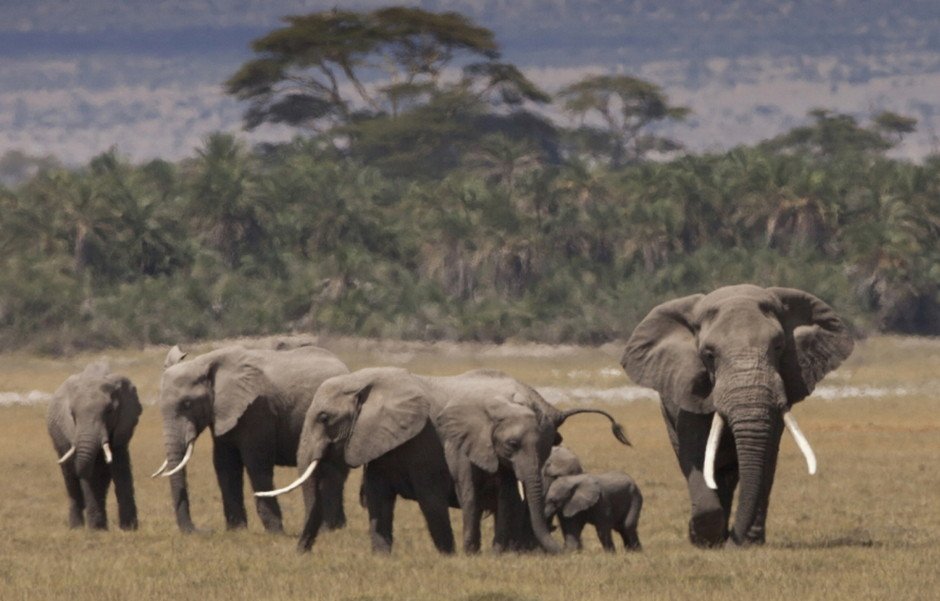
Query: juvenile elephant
{"type": "Point", "coordinates": [254, 402]}
{"type": "Point", "coordinates": [741, 356]}
{"type": "Point", "coordinates": [91, 419]}
{"type": "Point", "coordinates": [609, 501]}
{"type": "Point", "coordinates": [379, 418]}
{"type": "Point", "coordinates": [498, 433]}
{"type": "Point", "coordinates": [561, 462]}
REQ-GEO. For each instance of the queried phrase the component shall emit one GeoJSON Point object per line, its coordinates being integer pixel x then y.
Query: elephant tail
{"type": "Point", "coordinates": [616, 428]}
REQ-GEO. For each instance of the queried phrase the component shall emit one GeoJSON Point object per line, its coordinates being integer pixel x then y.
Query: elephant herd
{"type": "Point", "coordinates": [728, 367]}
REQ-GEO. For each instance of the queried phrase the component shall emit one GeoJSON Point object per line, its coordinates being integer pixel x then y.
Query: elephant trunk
{"type": "Point", "coordinates": [176, 446]}
{"type": "Point", "coordinates": [753, 429]}
{"type": "Point", "coordinates": [87, 447]}
{"type": "Point", "coordinates": [535, 498]}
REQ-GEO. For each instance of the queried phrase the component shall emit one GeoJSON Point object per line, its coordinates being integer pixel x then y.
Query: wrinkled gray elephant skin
{"type": "Point", "coordinates": [728, 367]}
{"type": "Point", "coordinates": [91, 419]}
{"type": "Point", "coordinates": [254, 402]}
{"type": "Point", "coordinates": [611, 502]}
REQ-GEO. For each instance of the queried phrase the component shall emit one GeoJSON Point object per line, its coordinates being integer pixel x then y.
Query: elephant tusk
{"type": "Point", "coordinates": [711, 449]}
{"type": "Point", "coordinates": [107, 453]}
{"type": "Point", "coordinates": [68, 454]}
{"type": "Point", "coordinates": [303, 478]}
{"type": "Point", "coordinates": [182, 464]}
{"type": "Point", "coordinates": [160, 469]}
{"type": "Point", "coordinates": [801, 441]}
{"type": "Point", "coordinates": [521, 489]}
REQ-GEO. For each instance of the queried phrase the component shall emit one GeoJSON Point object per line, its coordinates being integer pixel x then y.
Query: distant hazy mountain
{"type": "Point", "coordinates": [79, 77]}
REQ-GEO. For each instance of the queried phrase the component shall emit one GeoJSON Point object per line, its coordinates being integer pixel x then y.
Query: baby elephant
{"type": "Point", "coordinates": [610, 501]}
{"type": "Point", "coordinates": [91, 420]}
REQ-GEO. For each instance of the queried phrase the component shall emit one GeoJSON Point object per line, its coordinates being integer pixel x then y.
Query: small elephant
{"type": "Point", "coordinates": [91, 419]}
{"type": "Point", "coordinates": [561, 462]}
{"type": "Point", "coordinates": [609, 501]}
{"type": "Point", "coordinates": [254, 402]}
{"type": "Point", "coordinates": [734, 361]}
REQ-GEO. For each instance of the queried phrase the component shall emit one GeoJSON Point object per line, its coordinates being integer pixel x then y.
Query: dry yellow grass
{"type": "Point", "coordinates": [866, 527]}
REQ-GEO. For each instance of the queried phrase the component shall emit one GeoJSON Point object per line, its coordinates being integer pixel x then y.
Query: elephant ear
{"type": "Point", "coordinates": [468, 425]}
{"type": "Point", "coordinates": [128, 408]}
{"type": "Point", "coordinates": [586, 493]}
{"type": "Point", "coordinates": [174, 356]}
{"type": "Point", "coordinates": [662, 354]}
{"type": "Point", "coordinates": [392, 411]}
{"type": "Point", "coordinates": [817, 341]}
{"type": "Point", "coordinates": [237, 382]}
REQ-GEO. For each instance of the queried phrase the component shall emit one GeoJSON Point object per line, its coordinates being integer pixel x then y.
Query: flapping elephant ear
{"type": "Point", "coordinates": [585, 494]}
{"type": "Point", "coordinates": [662, 354]}
{"type": "Point", "coordinates": [817, 341]}
{"type": "Point", "coordinates": [390, 414]}
{"type": "Point", "coordinates": [236, 384]}
{"type": "Point", "coordinates": [128, 408]}
{"type": "Point", "coordinates": [174, 356]}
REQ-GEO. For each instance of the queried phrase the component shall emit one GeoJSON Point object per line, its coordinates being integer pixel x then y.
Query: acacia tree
{"type": "Point", "coordinates": [625, 106]}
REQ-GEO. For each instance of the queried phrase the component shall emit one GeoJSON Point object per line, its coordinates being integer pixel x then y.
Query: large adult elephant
{"type": "Point", "coordinates": [91, 419]}
{"type": "Point", "coordinates": [379, 418]}
{"type": "Point", "coordinates": [736, 359]}
{"type": "Point", "coordinates": [254, 402]}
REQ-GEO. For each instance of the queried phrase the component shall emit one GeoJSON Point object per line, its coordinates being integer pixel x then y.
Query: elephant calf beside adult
{"type": "Point", "coordinates": [736, 359]}
{"type": "Point", "coordinates": [254, 402]}
{"type": "Point", "coordinates": [91, 419]}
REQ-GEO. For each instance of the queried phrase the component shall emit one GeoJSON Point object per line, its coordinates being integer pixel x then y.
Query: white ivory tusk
{"type": "Point", "coordinates": [68, 454]}
{"type": "Point", "coordinates": [521, 489]}
{"type": "Point", "coordinates": [107, 452]}
{"type": "Point", "coordinates": [303, 478]}
{"type": "Point", "coordinates": [711, 450]}
{"type": "Point", "coordinates": [182, 464]}
{"type": "Point", "coordinates": [160, 469]}
{"type": "Point", "coordinates": [801, 441]}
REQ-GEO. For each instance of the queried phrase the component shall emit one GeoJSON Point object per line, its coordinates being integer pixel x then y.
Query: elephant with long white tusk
{"type": "Point", "coordinates": [91, 419]}
{"type": "Point", "coordinates": [735, 360]}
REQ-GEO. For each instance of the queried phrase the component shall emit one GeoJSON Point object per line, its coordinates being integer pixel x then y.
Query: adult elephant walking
{"type": "Point", "coordinates": [254, 402]}
{"type": "Point", "coordinates": [91, 419]}
{"type": "Point", "coordinates": [736, 359]}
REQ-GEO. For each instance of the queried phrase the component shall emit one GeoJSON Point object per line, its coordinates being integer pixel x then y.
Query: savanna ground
{"type": "Point", "coordinates": [866, 527]}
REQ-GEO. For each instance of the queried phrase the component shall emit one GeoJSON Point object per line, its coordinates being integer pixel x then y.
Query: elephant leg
{"type": "Point", "coordinates": [434, 507]}
{"type": "Point", "coordinates": [380, 503]}
{"type": "Point", "coordinates": [631, 540]}
{"type": "Point", "coordinates": [470, 507]}
{"type": "Point", "coordinates": [261, 475]}
{"type": "Point", "coordinates": [571, 529]}
{"type": "Point", "coordinates": [708, 525]}
{"type": "Point", "coordinates": [76, 499]}
{"type": "Point", "coordinates": [604, 536]}
{"type": "Point", "coordinates": [506, 505]}
{"type": "Point", "coordinates": [229, 473]}
{"type": "Point", "coordinates": [124, 488]}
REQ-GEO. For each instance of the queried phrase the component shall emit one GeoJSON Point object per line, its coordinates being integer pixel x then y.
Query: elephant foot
{"type": "Point", "coordinates": [708, 530]}
{"type": "Point", "coordinates": [239, 525]}
{"type": "Point", "coordinates": [750, 540]}
{"type": "Point", "coordinates": [129, 525]}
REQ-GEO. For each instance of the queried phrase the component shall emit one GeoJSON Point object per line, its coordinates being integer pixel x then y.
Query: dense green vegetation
{"type": "Point", "coordinates": [451, 207]}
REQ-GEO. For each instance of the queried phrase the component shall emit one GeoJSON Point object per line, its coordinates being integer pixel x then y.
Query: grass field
{"type": "Point", "coordinates": [866, 527]}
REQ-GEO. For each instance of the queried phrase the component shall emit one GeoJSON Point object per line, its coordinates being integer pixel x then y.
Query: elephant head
{"type": "Point", "coordinates": [105, 409]}
{"type": "Point", "coordinates": [561, 462]}
{"type": "Point", "coordinates": [572, 495]}
{"type": "Point", "coordinates": [746, 354]}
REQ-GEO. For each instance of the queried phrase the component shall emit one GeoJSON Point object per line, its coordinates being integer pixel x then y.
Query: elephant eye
{"type": "Point", "coordinates": [513, 443]}
{"type": "Point", "coordinates": [708, 357]}
{"type": "Point", "coordinates": [322, 417]}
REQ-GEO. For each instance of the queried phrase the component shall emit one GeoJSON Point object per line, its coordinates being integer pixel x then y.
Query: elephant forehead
{"type": "Point", "coordinates": [743, 301]}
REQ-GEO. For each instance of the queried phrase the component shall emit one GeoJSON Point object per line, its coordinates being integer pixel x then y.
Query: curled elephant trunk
{"type": "Point", "coordinates": [616, 428]}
